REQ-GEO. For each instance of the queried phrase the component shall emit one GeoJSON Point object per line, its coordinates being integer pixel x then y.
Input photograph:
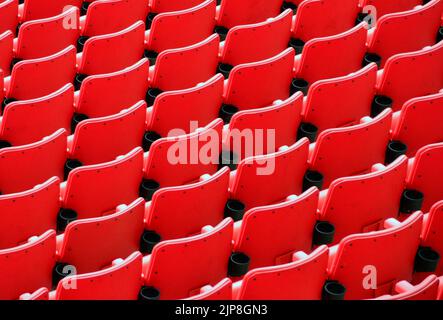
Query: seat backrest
{"type": "Point", "coordinates": [41, 38]}
{"type": "Point", "coordinates": [432, 234]}
{"type": "Point", "coordinates": [341, 101]}
{"type": "Point", "coordinates": [92, 244]}
{"type": "Point", "coordinates": [362, 203]}
{"type": "Point", "coordinates": [265, 129]}
{"type": "Point", "coordinates": [180, 268]}
{"type": "Point", "coordinates": [264, 180]}
{"type": "Point", "coordinates": [270, 235]}
{"type": "Point", "coordinates": [426, 173]}
{"type": "Point", "coordinates": [183, 159]}
{"type": "Point", "coordinates": [176, 109]}
{"type": "Point", "coordinates": [109, 16]}
{"type": "Point", "coordinates": [302, 279]}
{"type": "Point", "coordinates": [201, 203]}
{"type": "Point", "coordinates": [40, 294]}
{"type": "Point", "coordinates": [106, 94]}
{"type": "Point", "coordinates": [159, 6]}
{"type": "Point", "coordinates": [113, 52]}
{"type": "Point", "coordinates": [6, 45]}
{"type": "Point", "coordinates": [333, 56]}
{"type": "Point", "coordinates": [25, 166]}
{"type": "Point", "coordinates": [184, 68]}
{"type": "Point", "coordinates": [322, 18]}
{"type": "Point", "coordinates": [384, 7]}
{"type": "Point", "coordinates": [258, 41]}
{"type": "Point", "coordinates": [406, 31]}
{"type": "Point", "coordinates": [92, 191]}
{"type": "Point", "coordinates": [28, 267]}
{"type": "Point", "coordinates": [39, 9]}
{"type": "Point", "coordinates": [9, 14]}
{"type": "Point", "coordinates": [28, 121]}
{"type": "Point", "coordinates": [39, 77]}
{"type": "Point", "coordinates": [412, 74]}
{"type": "Point", "coordinates": [258, 84]}
{"type": "Point", "coordinates": [426, 290]}
{"type": "Point", "coordinates": [221, 291]}
{"type": "Point", "coordinates": [416, 114]}
{"type": "Point", "coordinates": [360, 147]}
{"type": "Point", "coordinates": [182, 28]}
{"type": "Point", "coordinates": [390, 253]}
{"type": "Point", "coordinates": [102, 139]}
{"type": "Point", "coordinates": [28, 213]}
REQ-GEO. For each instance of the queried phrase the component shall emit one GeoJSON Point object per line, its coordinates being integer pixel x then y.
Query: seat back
{"type": "Point", "coordinates": [6, 45]}
{"type": "Point", "coordinates": [39, 9]}
{"type": "Point", "coordinates": [432, 235]}
{"type": "Point", "coordinates": [426, 290]}
{"type": "Point", "coordinates": [9, 14]}
{"type": "Point", "coordinates": [221, 291]}
{"type": "Point", "coordinates": [159, 6]}
{"type": "Point", "coordinates": [384, 7]}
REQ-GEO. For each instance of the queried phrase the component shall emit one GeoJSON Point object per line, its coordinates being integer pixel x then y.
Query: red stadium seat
{"type": "Point", "coordinates": [220, 291]}
{"type": "Point", "coordinates": [39, 9]}
{"type": "Point", "coordinates": [270, 235]}
{"type": "Point", "coordinates": [432, 235]}
{"type": "Point", "coordinates": [159, 6]}
{"type": "Point", "coordinates": [348, 151]}
{"type": "Point", "coordinates": [176, 109]}
{"type": "Point", "coordinates": [178, 29]}
{"type": "Point", "coordinates": [44, 37]}
{"type": "Point", "coordinates": [92, 244]}
{"type": "Point", "coordinates": [415, 115]}
{"type": "Point", "coordinates": [102, 139]}
{"type": "Point", "coordinates": [410, 75]}
{"type": "Point", "coordinates": [258, 84]}
{"type": "Point", "coordinates": [384, 7]}
{"type": "Point", "coordinates": [28, 121]}
{"type": "Point", "coordinates": [267, 128]}
{"type": "Point", "coordinates": [301, 279]}
{"type": "Point", "coordinates": [338, 102]}
{"type": "Point", "coordinates": [425, 175]}
{"type": "Point", "coordinates": [255, 42]}
{"type": "Point", "coordinates": [106, 94]}
{"type": "Point", "coordinates": [405, 31]}
{"type": "Point", "coordinates": [28, 213]}
{"type": "Point", "coordinates": [180, 160]}
{"type": "Point", "coordinates": [201, 203]}
{"type": "Point", "coordinates": [6, 46]}
{"type": "Point", "coordinates": [183, 68]}
{"type": "Point", "coordinates": [28, 267]}
{"type": "Point", "coordinates": [25, 166]}
{"type": "Point", "coordinates": [390, 253]}
{"type": "Point", "coordinates": [121, 281]}
{"type": "Point", "coordinates": [426, 290]}
{"type": "Point", "coordinates": [269, 179]}
{"type": "Point", "coordinates": [39, 77]}
{"type": "Point", "coordinates": [111, 52]}
{"type": "Point", "coordinates": [362, 203]}
{"type": "Point", "coordinates": [179, 268]}
{"type": "Point", "coordinates": [330, 57]}
{"type": "Point", "coordinates": [40, 294]}
{"type": "Point", "coordinates": [96, 190]}
{"type": "Point", "coordinates": [9, 14]}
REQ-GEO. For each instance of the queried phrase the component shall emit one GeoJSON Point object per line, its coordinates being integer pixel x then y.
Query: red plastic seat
{"type": "Point", "coordinates": [270, 235]}
{"type": "Point", "coordinates": [390, 253]}
{"type": "Point", "coordinates": [341, 152]}
{"type": "Point", "coordinates": [425, 174]}
{"type": "Point", "coordinates": [180, 268]}
{"type": "Point", "coordinates": [183, 28]}
{"type": "Point", "coordinates": [258, 84]}
{"type": "Point", "coordinates": [301, 279]}
{"type": "Point", "coordinates": [159, 6]}
{"type": "Point", "coordinates": [28, 213]}
{"type": "Point", "coordinates": [36, 78]}
{"type": "Point", "coordinates": [96, 190]}
{"type": "Point", "coordinates": [102, 139]}
{"type": "Point", "coordinates": [201, 203]}
{"type": "Point", "coordinates": [413, 74]}
{"type": "Point", "coordinates": [121, 281]}
{"type": "Point", "coordinates": [106, 94]}
{"type": "Point", "coordinates": [40, 294]}
{"type": "Point", "coordinates": [109, 16]}
{"type": "Point", "coordinates": [340, 101]}
{"type": "Point", "coordinates": [112, 52]}
{"type": "Point", "coordinates": [44, 37]}
{"type": "Point", "coordinates": [184, 68]}
{"type": "Point", "coordinates": [28, 267]}
{"type": "Point", "coordinates": [426, 290]}
{"type": "Point", "coordinates": [28, 121]}
{"type": "Point", "coordinates": [362, 203]}
{"type": "Point", "coordinates": [175, 110]}
{"type": "Point", "coordinates": [23, 167]}
{"type": "Point", "coordinates": [39, 9]}
{"type": "Point", "coordinates": [384, 7]}
{"type": "Point", "coordinates": [9, 14]}
{"type": "Point", "coordinates": [259, 41]}
{"type": "Point", "coordinates": [92, 244]}
{"type": "Point", "coordinates": [332, 56]}
{"type": "Point", "coordinates": [406, 31]}
{"type": "Point", "coordinates": [432, 235]}
{"type": "Point", "coordinates": [6, 46]}
{"type": "Point", "coordinates": [269, 179]}
{"type": "Point", "coordinates": [220, 291]}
